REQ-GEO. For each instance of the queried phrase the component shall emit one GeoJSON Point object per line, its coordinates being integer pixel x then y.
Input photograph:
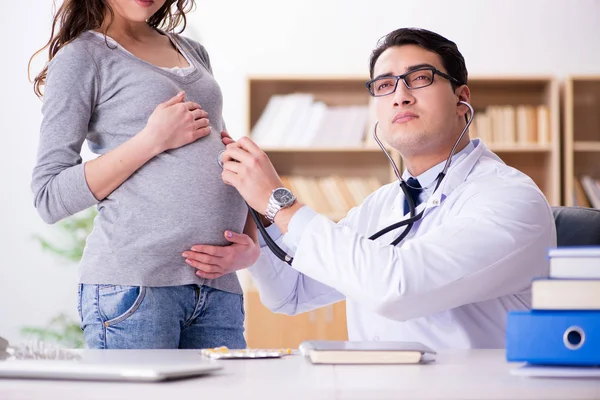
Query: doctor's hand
{"type": "Point", "coordinates": [247, 168]}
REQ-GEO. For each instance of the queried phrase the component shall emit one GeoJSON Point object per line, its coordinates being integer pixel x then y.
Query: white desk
{"type": "Point", "coordinates": [478, 374]}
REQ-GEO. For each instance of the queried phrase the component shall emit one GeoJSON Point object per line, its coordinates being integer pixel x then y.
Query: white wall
{"type": "Point", "coordinates": [261, 37]}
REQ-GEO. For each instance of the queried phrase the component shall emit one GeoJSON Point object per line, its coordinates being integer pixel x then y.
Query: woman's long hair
{"type": "Point", "coordinates": [77, 16]}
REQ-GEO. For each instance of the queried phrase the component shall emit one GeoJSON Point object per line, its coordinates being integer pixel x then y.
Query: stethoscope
{"type": "Point", "coordinates": [407, 223]}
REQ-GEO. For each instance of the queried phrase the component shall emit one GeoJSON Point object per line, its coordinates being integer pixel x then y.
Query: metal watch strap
{"type": "Point", "coordinates": [272, 210]}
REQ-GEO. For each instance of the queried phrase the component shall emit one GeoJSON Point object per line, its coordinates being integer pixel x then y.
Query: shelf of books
{"type": "Point", "coordinates": [518, 118]}
{"type": "Point", "coordinates": [581, 141]}
{"type": "Point", "coordinates": [319, 129]}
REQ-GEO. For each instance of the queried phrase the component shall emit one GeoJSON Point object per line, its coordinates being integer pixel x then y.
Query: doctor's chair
{"type": "Point", "coordinates": [577, 226]}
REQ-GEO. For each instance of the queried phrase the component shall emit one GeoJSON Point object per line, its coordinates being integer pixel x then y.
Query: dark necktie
{"type": "Point", "coordinates": [414, 193]}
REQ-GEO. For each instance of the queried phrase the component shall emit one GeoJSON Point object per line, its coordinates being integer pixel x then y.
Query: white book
{"type": "Point", "coordinates": [329, 132]}
{"type": "Point", "coordinates": [298, 121]}
{"type": "Point", "coordinates": [344, 352]}
{"type": "Point", "coordinates": [574, 251]}
{"type": "Point", "coordinates": [578, 262]}
{"type": "Point", "coordinates": [282, 122]}
{"type": "Point", "coordinates": [261, 128]}
{"type": "Point", "coordinates": [316, 118]}
{"type": "Point", "coordinates": [575, 268]}
{"type": "Point", "coordinates": [359, 126]}
{"type": "Point", "coordinates": [320, 135]}
{"type": "Point", "coordinates": [565, 294]}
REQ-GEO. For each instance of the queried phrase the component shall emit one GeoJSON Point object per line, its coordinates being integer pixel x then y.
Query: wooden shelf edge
{"type": "Point", "coordinates": [524, 148]}
{"type": "Point", "coordinates": [494, 147]}
{"type": "Point", "coordinates": [322, 149]}
{"type": "Point", "coordinates": [512, 78]}
{"type": "Point", "coordinates": [586, 146]}
{"type": "Point", "coordinates": [583, 77]}
{"type": "Point", "coordinates": [307, 78]}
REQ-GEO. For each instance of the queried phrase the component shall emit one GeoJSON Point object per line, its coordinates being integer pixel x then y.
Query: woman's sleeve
{"type": "Point", "coordinates": [58, 181]}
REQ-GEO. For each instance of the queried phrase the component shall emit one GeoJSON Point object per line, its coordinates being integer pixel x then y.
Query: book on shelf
{"type": "Point", "coordinates": [512, 125]}
{"type": "Point", "coordinates": [591, 189]}
{"type": "Point", "coordinates": [296, 120]}
{"type": "Point", "coordinates": [580, 198]}
{"type": "Point", "coordinates": [331, 195]}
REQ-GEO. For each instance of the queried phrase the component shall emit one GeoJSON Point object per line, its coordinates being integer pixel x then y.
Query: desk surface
{"type": "Point", "coordinates": [475, 374]}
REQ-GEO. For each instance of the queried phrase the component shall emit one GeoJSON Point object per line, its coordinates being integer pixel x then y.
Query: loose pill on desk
{"type": "Point", "coordinates": [225, 353]}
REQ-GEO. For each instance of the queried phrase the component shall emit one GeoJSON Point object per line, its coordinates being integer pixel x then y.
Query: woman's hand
{"type": "Point", "coordinates": [215, 261]}
{"type": "Point", "coordinates": [226, 139]}
{"type": "Point", "coordinates": [176, 123]}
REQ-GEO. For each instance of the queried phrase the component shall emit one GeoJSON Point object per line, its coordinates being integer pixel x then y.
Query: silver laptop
{"type": "Point", "coordinates": [115, 365]}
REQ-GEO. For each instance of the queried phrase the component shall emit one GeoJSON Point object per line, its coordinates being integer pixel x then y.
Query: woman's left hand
{"type": "Point", "coordinates": [215, 261]}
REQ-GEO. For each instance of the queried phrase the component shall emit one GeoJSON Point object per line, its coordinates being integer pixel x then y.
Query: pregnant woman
{"type": "Point", "coordinates": [146, 102]}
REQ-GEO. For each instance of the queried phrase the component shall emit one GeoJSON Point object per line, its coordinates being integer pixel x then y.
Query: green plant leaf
{"type": "Point", "coordinates": [61, 330]}
{"type": "Point", "coordinates": [75, 231]}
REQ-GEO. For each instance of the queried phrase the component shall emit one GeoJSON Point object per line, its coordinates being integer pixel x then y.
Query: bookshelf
{"type": "Point", "coordinates": [522, 114]}
{"type": "Point", "coordinates": [581, 140]}
{"type": "Point", "coordinates": [351, 161]}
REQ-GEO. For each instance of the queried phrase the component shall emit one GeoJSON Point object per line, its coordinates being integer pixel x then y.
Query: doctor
{"type": "Point", "coordinates": [482, 238]}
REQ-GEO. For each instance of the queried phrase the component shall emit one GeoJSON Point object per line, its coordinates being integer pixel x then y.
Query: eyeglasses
{"type": "Point", "coordinates": [416, 79]}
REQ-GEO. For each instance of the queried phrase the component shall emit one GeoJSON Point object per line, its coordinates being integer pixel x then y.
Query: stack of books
{"type": "Point", "coordinates": [563, 326]}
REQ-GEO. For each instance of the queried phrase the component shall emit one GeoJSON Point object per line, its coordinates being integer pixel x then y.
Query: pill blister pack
{"type": "Point", "coordinates": [220, 353]}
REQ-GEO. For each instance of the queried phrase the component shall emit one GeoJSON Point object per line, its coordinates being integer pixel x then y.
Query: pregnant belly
{"type": "Point", "coordinates": [175, 215]}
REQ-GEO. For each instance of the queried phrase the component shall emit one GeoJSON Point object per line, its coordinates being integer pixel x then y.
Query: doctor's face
{"type": "Point", "coordinates": [424, 120]}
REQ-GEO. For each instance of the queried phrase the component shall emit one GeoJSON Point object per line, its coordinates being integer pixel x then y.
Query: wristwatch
{"type": "Point", "coordinates": [280, 198]}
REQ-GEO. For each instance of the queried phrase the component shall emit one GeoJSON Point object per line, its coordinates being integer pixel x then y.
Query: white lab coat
{"type": "Point", "coordinates": [483, 237]}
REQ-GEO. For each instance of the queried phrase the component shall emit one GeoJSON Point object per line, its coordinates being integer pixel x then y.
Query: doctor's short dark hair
{"type": "Point", "coordinates": [452, 59]}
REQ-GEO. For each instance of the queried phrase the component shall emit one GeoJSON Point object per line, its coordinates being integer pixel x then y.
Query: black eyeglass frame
{"type": "Point", "coordinates": [433, 70]}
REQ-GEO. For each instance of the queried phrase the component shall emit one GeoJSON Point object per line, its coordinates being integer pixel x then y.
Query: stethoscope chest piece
{"type": "Point", "coordinates": [220, 158]}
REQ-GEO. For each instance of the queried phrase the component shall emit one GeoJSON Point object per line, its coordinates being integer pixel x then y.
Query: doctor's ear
{"type": "Point", "coordinates": [463, 93]}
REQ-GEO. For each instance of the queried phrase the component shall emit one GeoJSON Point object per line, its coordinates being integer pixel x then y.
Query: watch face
{"type": "Point", "coordinates": [283, 196]}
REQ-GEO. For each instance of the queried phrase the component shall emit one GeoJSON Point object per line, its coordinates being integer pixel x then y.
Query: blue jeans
{"type": "Point", "coordinates": [172, 317]}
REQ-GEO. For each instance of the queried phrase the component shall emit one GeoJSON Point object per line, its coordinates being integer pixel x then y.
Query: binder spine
{"type": "Point", "coordinates": [553, 337]}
